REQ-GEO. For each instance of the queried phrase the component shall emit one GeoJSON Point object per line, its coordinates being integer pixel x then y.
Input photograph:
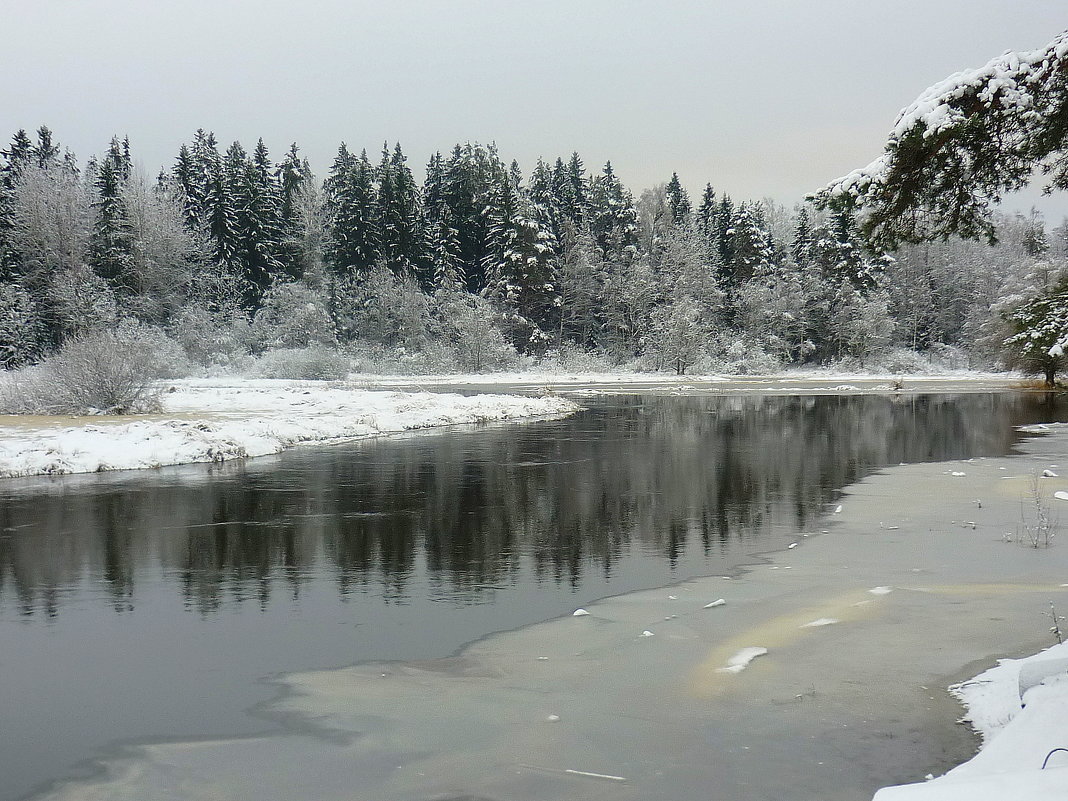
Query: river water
{"type": "Point", "coordinates": [153, 605]}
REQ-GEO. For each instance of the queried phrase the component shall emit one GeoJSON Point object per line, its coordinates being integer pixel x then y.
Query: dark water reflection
{"type": "Point", "coordinates": [146, 605]}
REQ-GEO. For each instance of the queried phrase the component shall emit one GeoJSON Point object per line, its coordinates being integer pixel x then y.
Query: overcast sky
{"type": "Point", "coordinates": [762, 99]}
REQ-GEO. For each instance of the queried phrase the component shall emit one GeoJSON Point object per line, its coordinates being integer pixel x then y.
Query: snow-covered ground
{"type": "Point", "coordinates": [1019, 735]}
{"type": "Point", "coordinates": [214, 420]}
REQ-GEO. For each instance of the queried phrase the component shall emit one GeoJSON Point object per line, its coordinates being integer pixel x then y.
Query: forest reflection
{"type": "Point", "coordinates": [462, 512]}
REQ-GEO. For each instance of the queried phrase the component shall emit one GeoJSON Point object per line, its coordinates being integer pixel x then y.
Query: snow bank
{"type": "Point", "coordinates": [1018, 736]}
{"type": "Point", "coordinates": [208, 421]}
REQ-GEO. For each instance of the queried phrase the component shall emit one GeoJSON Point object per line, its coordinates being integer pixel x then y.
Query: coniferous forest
{"type": "Point", "coordinates": [231, 256]}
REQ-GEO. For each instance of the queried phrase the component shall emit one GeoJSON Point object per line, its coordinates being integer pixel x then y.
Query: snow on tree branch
{"type": "Point", "coordinates": [960, 146]}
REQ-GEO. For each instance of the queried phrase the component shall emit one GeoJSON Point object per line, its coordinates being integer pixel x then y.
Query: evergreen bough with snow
{"type": "Point", "coordinates": [952, 156]}
{"type": "Point", "coordinates": [961, 146]}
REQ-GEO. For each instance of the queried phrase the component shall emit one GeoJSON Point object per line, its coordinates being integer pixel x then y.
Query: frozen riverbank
{"type": "Point", "coordinates": [810, 382]}
{"type": "Point", "coordinates": [819, 677]}
{"type": "Point", "coordinates": [215, 420]}
{"type": "Point", "coordinates": [1020, 708]}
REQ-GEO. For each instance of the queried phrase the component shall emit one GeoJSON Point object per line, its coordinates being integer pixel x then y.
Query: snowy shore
{"type": "Point", "coordinates": [215, 420]}
{"type": "Point", "coordinates": [1019, 708]}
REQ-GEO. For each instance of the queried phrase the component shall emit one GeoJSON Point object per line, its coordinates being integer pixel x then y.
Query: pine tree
{"type": "Point", "coordinates": [750, 244]}
{"type": "Point", "coordinates": [725, 231]}
{"type": "Point", "coordinates": [678, 201]}
{"type": "Point", "coordinates": [472, 173]}
{"type": "Point", "coordinates": [12, 162]}
{"type": "Point", "coordinates": [46, 151]}
{"type": "Point", "coordinates": [111, 246]}
{"type": "Point", "coordinates": [189, 185]}
{"type": "Point", "coordinates": [351, 246]}
{"type": "Point", "coordinates": [260, 225]}
{"type": "Point", "coordinates": [708, 216]}
{"type": "Point", "coordinates": [295, 183]}
{"type": "Point", "coordinates": [800, 248]}
{"type": "Point", "coordinates": [398, 215]}
{"type": "Point", "coordinates": [613, 218]}
{"type": "Point", "coordinates": [519, 264]}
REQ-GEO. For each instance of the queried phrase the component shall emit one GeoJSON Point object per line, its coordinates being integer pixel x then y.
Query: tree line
{"type": "Point", "coordinates": [230, 252]}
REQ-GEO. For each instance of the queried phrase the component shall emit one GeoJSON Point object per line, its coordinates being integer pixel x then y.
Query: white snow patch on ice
{"type": "Point", "coordinates": [821, 621]}
{"type": "Point", "coordinates": [740, 661]}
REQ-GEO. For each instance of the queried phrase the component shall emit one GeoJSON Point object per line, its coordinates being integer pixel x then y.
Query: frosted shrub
{"type": "Point", "coordinates": [740, 355]}
{"type": "Point", "coordinates": [315, 363]}
{"type": "Point", "coordinates": [102, 372]}
{"type": "Point", "coordinates": [293, 316]}
{"type": "Point", "coordinates": [471, 326]}
{"type": "Point", "coordinates": [382, 308]}
{"type": "Point", "coordinates": [573, 359]}
{"type": "Point", "coordinates": [210, 337]}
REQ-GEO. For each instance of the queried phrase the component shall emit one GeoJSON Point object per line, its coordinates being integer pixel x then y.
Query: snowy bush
{"type": "Point", "coordinates": [471, 327]}
{"type": "Point", "coordinates": [166, 356]}
{"type": "Point", "coordinates": [738, 355]}
{"type": "Point", "coordinates": [293, 316]}
{"type": "Point", "coordinates": [210, 337]}
{"type": "Point", "coordinates": [102, 372]}
{"type": "Point", "coordinates": [381, 308]}
{"type": "Point", "coordinates": [82, 301]}
{"type": "Point", "coordinates": [573, 359]}
{"type": "Point", "coordinates": [315, 363]}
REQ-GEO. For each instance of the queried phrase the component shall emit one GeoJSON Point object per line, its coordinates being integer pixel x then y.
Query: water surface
{"type": "Point", "coordinates": [148, 605]}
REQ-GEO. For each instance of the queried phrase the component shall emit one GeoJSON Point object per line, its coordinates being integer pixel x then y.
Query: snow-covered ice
{"type": "Point", "coordinates": [210, 421]}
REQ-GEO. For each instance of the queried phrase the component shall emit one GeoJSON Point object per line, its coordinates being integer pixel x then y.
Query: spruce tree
{"type": "Point", "coordinates": [678, 201]}
{"type": "Point", "coordinates": [259, 201]}
{"type": "Point", "coordinates": [398, 215]}
{"type": "Point", "coordinates": [613, 218]}
{"type": "Point", "coordinates": [295, 183]}
{"type": "Point", "coordinates": [441, 244]}
{"type": "Point", "coordinates": [12, 162]}
{"type": "Point", "coordinates": [352, 237]}
{"type": "Point", "coordinates": [111, 245]}
{"type": "Point", "coordinates": [519, 264]}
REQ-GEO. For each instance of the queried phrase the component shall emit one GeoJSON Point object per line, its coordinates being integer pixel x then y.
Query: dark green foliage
{"type": "Point", "coordinates": [678, 201]}
{"type": "Point", "coordinates": [352, 215]}
{"type": "Point", "coordinates": [111, 245]}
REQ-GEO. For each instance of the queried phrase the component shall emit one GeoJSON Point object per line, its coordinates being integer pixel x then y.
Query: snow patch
{"type": "Point", "coordinates": [822, 621]}
{"type": "Point", "coordinates": [740, 661]}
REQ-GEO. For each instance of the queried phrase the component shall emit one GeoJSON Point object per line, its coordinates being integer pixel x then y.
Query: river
{"type": "Point", "coordinates": [153, 605]}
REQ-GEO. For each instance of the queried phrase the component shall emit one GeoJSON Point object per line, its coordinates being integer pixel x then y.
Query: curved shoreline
{"type": "Point", "coordinates": [214, 421]}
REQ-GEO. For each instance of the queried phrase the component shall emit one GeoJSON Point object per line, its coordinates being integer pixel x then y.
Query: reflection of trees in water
{"type": "Point", "coordinates": [470, 511]}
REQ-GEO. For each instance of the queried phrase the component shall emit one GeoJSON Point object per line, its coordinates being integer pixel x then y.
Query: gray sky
{"type": "Point", "coordinates": [771, 98]}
